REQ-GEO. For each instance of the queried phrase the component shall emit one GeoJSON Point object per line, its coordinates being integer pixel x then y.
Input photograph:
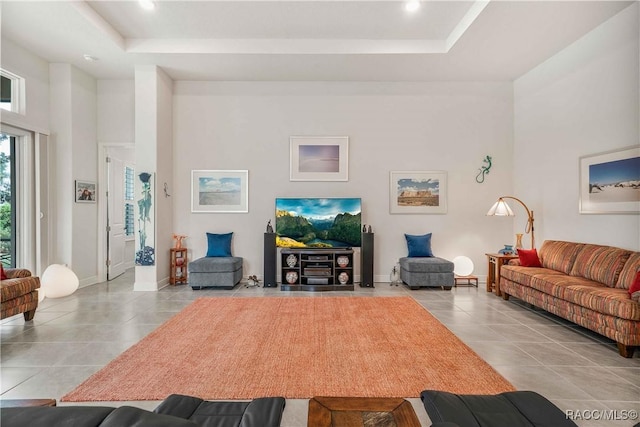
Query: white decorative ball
{"type": "Point", "coordinates": [58, 281]}
{"type": "Point", "coordinates": [462, 266]}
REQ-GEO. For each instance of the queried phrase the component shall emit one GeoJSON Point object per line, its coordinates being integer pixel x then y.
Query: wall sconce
{"type": "Point", "coordinates": [501, 208]}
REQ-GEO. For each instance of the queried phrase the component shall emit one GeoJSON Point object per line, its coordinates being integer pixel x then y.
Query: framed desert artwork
{"type": "Point", "coordinates": [421, 192]}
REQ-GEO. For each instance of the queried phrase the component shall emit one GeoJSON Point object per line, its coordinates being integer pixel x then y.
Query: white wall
{"type": "Point", "coordinates": [116, 131]}
{"type": "Point", "coordinates": [165, 161]}
{"type": "Point", "coordinates": [153, 147]}
{"type": "Point", "coordinates": [73, 140]}
{"type": "Point", "coordinates": [582, 101]}
{"type": "Point", "coordinates": [392, 127]}
{"type": "Point", "coordinates": [35, 71]}
{"type": "Point", "coordinates": [116, 112]}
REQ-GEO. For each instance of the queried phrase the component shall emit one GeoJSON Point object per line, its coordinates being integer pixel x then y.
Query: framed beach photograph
{"type": "Point", "coordinates": [85, 192]}
{"type": "Point", "coordinates": [422, 192]}
{"type": "Point", "coordinates": [220, 191]}
{"type": "Point", "coordinates": [319, 158]}
{"type": "Point", "coordinates": [610, 182]}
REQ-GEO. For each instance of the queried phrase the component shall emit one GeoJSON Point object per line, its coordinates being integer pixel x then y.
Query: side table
{"type": "Point", "coordinates": [178, 266]}
{"type": "Point", "coordinates": [469, 280]}
{"type": "Point", "coordinates": [496, 261]}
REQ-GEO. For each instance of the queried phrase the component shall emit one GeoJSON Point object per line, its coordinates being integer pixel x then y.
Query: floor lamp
{"type": "Point", "coordinates": [501, 208]}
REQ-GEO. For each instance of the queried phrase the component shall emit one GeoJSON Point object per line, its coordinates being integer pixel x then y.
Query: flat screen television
{"type": "Point", "coordinates": [318, 222]}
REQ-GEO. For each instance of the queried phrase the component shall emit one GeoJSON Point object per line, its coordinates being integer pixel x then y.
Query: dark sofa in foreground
{"type": "Point", "coordinates": [175, 411]}
{"type": "Point", "coordinates": [512, 409]}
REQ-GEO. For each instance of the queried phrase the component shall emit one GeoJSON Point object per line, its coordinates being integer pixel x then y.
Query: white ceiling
{"type": "Point", "coordinates": [327, 40]}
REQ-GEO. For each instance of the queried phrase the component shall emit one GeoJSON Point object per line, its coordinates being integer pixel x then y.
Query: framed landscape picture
{"type": "Point", "coordinates": [85, 192]}
{"type": "Point", "coordinates": [610, 182]}
{"type": "Point", "coordinates": [423, 192]}
{"type": "Point", "coordinates": [220, 191]}
{"type": "Point", "coordinates": [319, 158]}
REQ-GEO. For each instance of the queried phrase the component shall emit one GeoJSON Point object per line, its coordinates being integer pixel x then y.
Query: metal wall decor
{"type": "Point", "coordinates": [484, 170]}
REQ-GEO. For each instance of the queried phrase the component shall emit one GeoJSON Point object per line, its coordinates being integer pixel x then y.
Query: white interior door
{"type": "Point", "coordinates": [115, 216]}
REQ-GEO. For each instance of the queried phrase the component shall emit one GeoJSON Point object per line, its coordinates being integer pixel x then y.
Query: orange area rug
{"type": "Point", "coordinates": [295, 347]}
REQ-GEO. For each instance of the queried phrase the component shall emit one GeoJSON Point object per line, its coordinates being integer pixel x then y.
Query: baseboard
{"type": "Point", "coordinates": [146, 286]}
{"type": "Point", "coordinates": [88, 281]}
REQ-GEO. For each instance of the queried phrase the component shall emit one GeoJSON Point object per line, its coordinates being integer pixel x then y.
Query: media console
{"type": "Point", "coordinates": [317, 269]}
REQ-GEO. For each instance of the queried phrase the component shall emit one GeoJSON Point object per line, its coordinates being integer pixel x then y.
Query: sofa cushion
{"type": "Point", "coordinates": [14, 288]}
{"type": "Point", "coordinates": [259, 412]}
{"type": "Point", "coordinates": [524, 275]}
{"type": "Point", "coordinates": [513, 409]}
{"type": "Point", "coordinates": [600, 263]}
{"type": "Point", "coordinates": [587, 293]}
{"type": "Point", "coordinates": [577, 290]}
{"type": "Point", "coordinates": [559, 255]}
{"type": "Point", "coordinates": [3, 276]}
{"type": "Point", "coordinates": [47, 416]}
{"type": "Point", "coordinates": [89, 416]}
{"type": "Point", "coordinates": [628, 273]}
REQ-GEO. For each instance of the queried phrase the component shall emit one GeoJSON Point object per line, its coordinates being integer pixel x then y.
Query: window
{"type": "Point", "coordinates": [11, 92]}
{"type": "Point", "coordinates": [128, 197]}
{"type": "Point", "coordinates": [5, 93]}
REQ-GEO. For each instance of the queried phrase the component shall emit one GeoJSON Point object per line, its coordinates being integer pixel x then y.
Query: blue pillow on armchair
{"type": "Point", "coordinates": [219, 245]}
{"type": "Point", "coordinates": [419, 246]}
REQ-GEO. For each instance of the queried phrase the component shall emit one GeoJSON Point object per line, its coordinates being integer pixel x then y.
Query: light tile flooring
{"type": "Point", "coordinates": [75, 336]}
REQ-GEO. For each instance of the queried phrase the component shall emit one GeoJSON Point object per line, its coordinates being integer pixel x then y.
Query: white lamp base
{"type": "Point", "coordinates": [58, 281]}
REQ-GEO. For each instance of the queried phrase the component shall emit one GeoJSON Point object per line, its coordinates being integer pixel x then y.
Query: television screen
{"type": "Point", "coordinates": [318, 222]}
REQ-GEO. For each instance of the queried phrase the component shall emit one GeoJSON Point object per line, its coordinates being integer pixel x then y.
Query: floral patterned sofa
{"type": "Point", "coordinates": [19, 293]}
{"type": "Point", "coordinates": [584, 283]}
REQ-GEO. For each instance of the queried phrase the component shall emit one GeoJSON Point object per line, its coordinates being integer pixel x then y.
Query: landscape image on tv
{"type": "Point", "coordinates": [318, 222]}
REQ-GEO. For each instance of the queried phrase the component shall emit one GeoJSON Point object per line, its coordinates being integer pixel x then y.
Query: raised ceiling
{"type": "Point", "coordinates": [303, 40]}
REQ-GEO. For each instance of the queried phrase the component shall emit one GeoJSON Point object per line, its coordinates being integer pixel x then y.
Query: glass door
{"type": "Point", "coordinates": [7, 200]}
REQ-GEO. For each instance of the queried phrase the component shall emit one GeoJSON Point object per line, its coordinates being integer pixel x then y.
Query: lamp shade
{"type": "Point", "coordinates": [58, 281]}
{"type": "Point", "coordinates": [500, 208]}
{"type": "Point", "coordinates": [462, 265]}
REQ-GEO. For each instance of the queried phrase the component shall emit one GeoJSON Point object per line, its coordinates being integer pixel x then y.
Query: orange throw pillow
{"type": "Point", "coordinates": [3, 276]}
{"type": "Point", "coordinates": [529, 258]}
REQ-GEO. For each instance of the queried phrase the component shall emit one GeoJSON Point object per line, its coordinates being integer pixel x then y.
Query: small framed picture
{"type": "Point", "coordinates": [422, 192]}
{"type": "Point", "coordinates": [319, 158]}
{"type": "Point", "coordinates": [85, 192]}
{"type": "Point", "coordinates": [610, 182]}
{"type": "Point", "coordinates": [220, 191]}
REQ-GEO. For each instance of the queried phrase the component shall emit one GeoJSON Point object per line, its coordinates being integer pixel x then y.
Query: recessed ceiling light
{"type": "Point", "coordinates": [90, 58]}
{"type": "Point", "coordinates": [412, 6]}
{"type": "Point", "coordinates": [147, 4]}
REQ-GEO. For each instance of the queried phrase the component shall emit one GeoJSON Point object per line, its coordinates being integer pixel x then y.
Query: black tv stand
{"type": "Point", "coordinates": [317, 269]}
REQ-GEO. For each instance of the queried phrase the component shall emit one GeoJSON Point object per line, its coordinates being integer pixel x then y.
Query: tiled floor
{"type": "Point", "coordinates": [75, 336]}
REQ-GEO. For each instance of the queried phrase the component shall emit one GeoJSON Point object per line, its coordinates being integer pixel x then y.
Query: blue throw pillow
{"type": "Point", "coordinates": [419, 246]}
{"type": "Point", "coordinates": [219, 244]}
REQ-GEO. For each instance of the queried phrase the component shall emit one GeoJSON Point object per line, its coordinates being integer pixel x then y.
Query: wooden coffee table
{"type": "Point", "coordinates": [361, 412]}
{"type": "Point", "coordinates": [16, 403]}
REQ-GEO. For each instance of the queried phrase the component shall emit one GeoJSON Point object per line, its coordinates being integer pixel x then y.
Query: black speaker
{"type": "Point", "coordinates": [270, 252]}
{"type": "Point", "coordinates": [366, 261]}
